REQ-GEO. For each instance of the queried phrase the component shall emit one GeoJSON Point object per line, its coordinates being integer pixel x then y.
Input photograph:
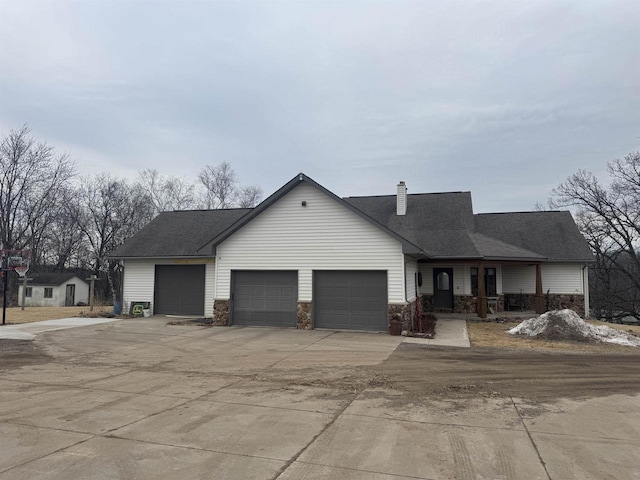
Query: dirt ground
{"type": "Point", "coordinates": [37, 314]}
{"type": "Point", "coordinates": [499, 372]}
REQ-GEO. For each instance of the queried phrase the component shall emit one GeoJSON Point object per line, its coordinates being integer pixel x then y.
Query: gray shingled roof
{"type": "Point", "coordinates": [441, 224]}
{"type": "Point", "coordinates": [436, 222]}
{"type": "Point", "coordinates": [551, 234]}
{"type": "Point", "coordinates": [52, 278]}
{"type": "Point", "coordinates": [179, 234]}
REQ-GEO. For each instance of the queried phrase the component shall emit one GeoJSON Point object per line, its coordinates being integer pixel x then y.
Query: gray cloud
{"type": "Point", "coordinates": [502, 98]}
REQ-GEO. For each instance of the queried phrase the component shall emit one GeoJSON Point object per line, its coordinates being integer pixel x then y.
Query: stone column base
{"type": "Point", "coordinates": [221, 313]}
{"type": "Point", "coordinates": [403, 311]}
{"type": "Point", "coordinates": [304, 316]}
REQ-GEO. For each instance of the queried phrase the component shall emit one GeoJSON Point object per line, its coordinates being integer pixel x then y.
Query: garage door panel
{"type": "Point", "coordinates": [272, 298]}
{"type": "Point", "coordinates": [179, 289]}
{"type": "Point", "coordinates": [354, 300]}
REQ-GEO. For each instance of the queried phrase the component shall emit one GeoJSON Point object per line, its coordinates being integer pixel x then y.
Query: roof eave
{"type": "Point", "coordinates": [150, 257]}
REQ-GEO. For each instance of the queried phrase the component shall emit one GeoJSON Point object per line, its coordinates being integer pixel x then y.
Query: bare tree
{"type": "Point", "coordinates": [249, 197]}
{"type": "Point", "coordinates": [110, 212]}
{"type": "Point", "coordinates": [609, 217]}
{"type": "Point", "coordinates": [220, 184]}
{"type": "Point", "coordinates": [31, 179]}
{"type": "Point", "coordinates": [63, 246]}
{"type": "Point", "coordinates": [166, 192]}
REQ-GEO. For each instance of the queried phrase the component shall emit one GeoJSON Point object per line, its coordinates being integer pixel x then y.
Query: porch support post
{"type": "Point", "coordinates": [481, 307]}
{"type": "Point", "coordinates": [539, 298]}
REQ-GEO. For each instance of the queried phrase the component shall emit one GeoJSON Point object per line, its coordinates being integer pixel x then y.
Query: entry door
{"type": "Point", "coordinates": [70, 297]}
{"type": "Point", "coordinates": [443, 288]}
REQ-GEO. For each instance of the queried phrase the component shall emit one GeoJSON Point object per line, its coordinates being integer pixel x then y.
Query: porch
{"type": "Point", "coordinates": [500, 288]}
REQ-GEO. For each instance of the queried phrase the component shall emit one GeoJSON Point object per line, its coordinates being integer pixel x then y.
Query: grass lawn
{"type": "Point", "coordinates": [38, 314]}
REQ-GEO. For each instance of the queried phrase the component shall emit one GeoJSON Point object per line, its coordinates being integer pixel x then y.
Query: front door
{"type": "Point", "coordinates": [70, 297]}
{"type": "Point", "coordinates": [443, 288]}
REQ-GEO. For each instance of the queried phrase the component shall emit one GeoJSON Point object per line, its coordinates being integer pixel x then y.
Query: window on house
{"type": "Point", "coordinates": [28, 292]}
{"type": "Point", "coordinates": [489, 282]}
{"type": "Point", "coordinates": [443, 281]}
{"type": "Point", "coordinates": [48, 292]}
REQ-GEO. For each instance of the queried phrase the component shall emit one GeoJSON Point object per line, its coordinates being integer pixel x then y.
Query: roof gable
{"type": "Point", "coordinates": [407, 246]}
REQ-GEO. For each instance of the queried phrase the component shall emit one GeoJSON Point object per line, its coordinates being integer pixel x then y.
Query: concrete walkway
{"type": "Point", "coordinates": [451, 332]}
{"type": "Point", "coordinates": [28, 331]}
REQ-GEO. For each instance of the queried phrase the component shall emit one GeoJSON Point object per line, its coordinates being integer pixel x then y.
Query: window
{"type": "Point", "coordinates": [443, 281]}
{"type": "Point", "coordinates": [48, 292]}
{"type": "Point", "coordinates": [489, 282]}
{"type": "Point", "coordinates": [28, 292]}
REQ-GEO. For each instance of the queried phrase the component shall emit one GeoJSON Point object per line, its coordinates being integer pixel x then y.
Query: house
{"type": "Point", "coordinates": [54, 290]}
{"type": "Point", "coordinates": [306, 258]}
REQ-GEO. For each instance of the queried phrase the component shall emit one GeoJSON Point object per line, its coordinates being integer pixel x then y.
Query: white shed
{"type": "Point", "coordinates": [54, 290]}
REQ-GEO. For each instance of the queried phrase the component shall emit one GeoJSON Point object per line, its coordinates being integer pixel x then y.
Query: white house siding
{"type": "Point", "coordinates": [209, 288]}
{"type": "Point", "coordinates": [519, 278]}
{"type": "Point", "coordinates": [323, 235]}
{"type": "Point", "coordinates": [562, 278]}
{"type": "Point", "coordinates": [139, 280]}
{"type": "Point", "coordinates": [411, 268]}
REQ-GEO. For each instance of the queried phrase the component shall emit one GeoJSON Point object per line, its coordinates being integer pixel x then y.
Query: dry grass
{"type": "Point", "coordinates": [494, 335]}
{"type": "Point", "coordinates": [38, 314]}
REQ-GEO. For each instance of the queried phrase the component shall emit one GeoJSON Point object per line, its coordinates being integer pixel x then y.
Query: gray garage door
{"type": "Point", "coordinates": [265, 298]}
{"type": "Point", "coordinates": [350, 300]}
{"type": "Point", "coordinates": [179, 290]}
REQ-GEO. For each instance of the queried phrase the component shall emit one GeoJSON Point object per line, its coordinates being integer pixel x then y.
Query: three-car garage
{"type": "Point", "coordinates": [341, 299]}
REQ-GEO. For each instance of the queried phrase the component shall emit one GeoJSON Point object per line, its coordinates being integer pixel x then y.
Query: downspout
{"type": "Point", "coordinates": [585, 290]}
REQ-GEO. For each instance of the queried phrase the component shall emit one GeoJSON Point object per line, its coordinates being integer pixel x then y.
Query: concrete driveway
{"type": "Point", "coordinates": [140, 399]}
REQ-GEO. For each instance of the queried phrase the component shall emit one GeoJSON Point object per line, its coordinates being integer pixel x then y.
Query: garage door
{"type": "Point", "coordinates": [350, 300]}
{"type": "Point", "coordinates": [179, 290]}
{"type": "Point", "coordinates": [265, 298]}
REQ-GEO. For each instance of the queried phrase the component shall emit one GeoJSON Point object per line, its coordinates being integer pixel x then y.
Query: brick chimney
{"type": "Point", "coordinates": [401, 203]}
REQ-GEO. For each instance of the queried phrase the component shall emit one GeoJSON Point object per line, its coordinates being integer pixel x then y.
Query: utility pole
{"type": "Point", "coordinates": [24, 289]}
{"type": "Point", "coordinates": [92, 289]}
{"type": "Point", "coordinates": [5, 272]}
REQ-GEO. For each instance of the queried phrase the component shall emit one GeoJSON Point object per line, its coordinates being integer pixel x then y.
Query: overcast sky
{"type": "Point", "coordinates": [505, 99]}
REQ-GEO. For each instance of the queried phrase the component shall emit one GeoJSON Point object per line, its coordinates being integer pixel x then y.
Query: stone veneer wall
{"type": "Point", "coordinates": [304, 316]}
{"type": "Point", "coordinates": [461, 303]}
{"type": "Point", "coordinates": [403, 311]}
{"type": "Point", "coordinates": [221, 313]}
{"type": "Point", "coordinates": [557, 301]}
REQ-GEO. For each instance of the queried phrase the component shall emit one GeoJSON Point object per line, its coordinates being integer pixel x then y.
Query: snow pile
{"type": "Point", "coordinates": [567, 325]}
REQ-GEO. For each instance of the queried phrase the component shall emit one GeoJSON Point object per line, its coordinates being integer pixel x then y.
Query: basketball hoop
{"type": "Point", "coordinates": [21, 270]}
{"type": "Point", "coordinates": [16, 260]}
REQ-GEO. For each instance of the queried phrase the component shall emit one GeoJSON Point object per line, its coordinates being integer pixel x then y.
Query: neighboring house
{"type": "Point", "coordinates": [307, 258]}
{"type": "Point", "coordinates": [54, 290]}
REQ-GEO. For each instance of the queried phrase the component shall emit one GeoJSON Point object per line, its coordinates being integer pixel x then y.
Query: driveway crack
{"type": "Point", "coordinates": [326, 427]}
{"type": "Point", "coordinates": [535, 447]}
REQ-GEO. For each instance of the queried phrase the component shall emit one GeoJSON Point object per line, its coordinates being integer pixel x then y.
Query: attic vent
{"type": "Point", "coordinates": [401, 204]}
